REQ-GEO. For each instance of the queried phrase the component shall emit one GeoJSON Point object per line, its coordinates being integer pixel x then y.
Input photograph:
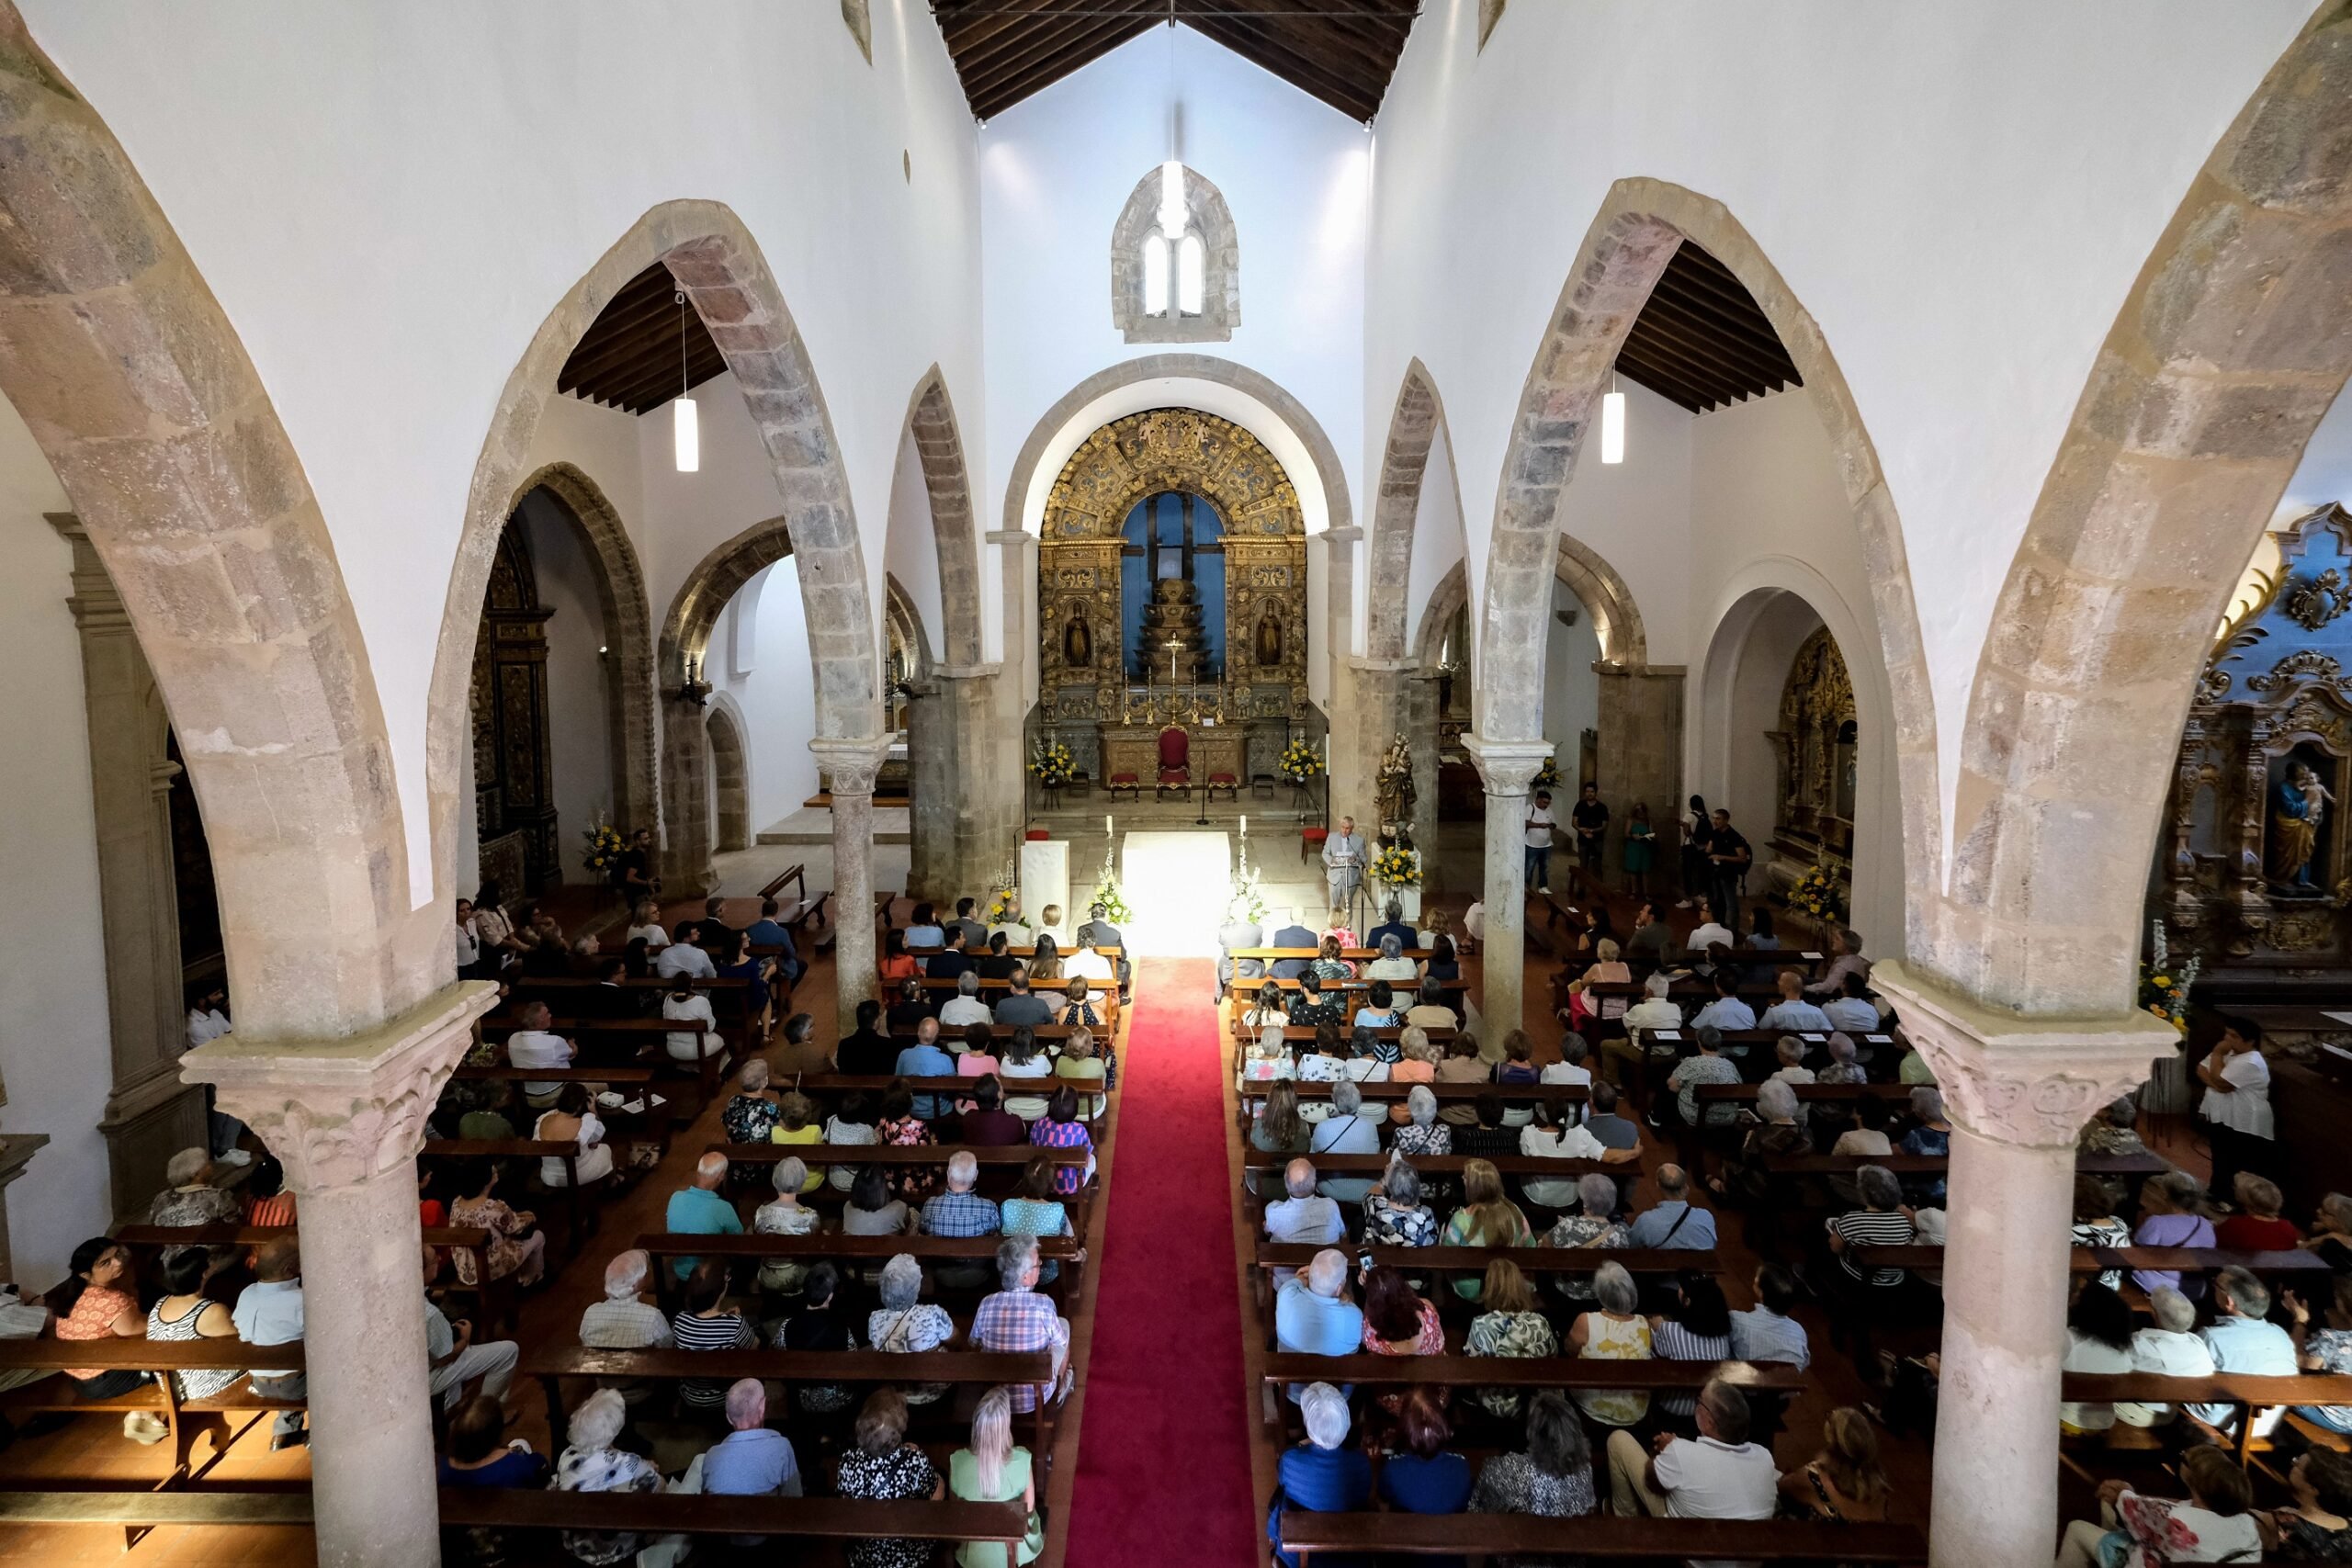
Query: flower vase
{"type": "Point", "coordinates": [1407, 900]}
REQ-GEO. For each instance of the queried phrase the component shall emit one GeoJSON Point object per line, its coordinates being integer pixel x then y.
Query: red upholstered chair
{"type": "Point", "coordinates": [1311, 840]}
{"type": "Point", "coordinates": [1226, 781]}
{"type": "Point", "coordinates": [1175, 762]}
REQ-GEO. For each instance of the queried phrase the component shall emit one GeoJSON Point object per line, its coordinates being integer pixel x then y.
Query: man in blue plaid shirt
{"type": "Point", "coordinates": [1017, 1319]}
{"type": "Point", "coordinates": [961, 1212]}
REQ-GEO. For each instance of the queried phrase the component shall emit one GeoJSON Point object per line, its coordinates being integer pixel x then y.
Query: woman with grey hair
{"type": "Point", "coordinates": [1746, 1177]}
{"type": "Point", "coordinates": [591, 1464]}
{"type": "Point", "coordinates": [2331, 1231]}
{"type": "Point", "coordinates": [1392, 965]}
{"type": "Point", "coordinates": [1614, 1331]}
{"type": "Point", "coordinates": [785, 1214]}
{"type": "Point", "coordinates": [752, 1114]}
{"type": "Point", "coordinates": [1858, 1295]}
{"type": "Point", "coordinates": [1394, 1214]}
{"type": "Point", "coordinates": [192, 1200]}
{"type": "Point", "coordinates": [1422, 1132]}
{"type": "Point", "coordinates": [1594, 1224]}
{"type": "Point", "coordinates": [905, 1325]}
{"type": "Point", "coordinates": [2170, 1349]}
{"type": "Point", "coordinates": [1324, 1475]}
{"type": "Point", "coordinates": [1347, 1131]}
{"type": "Point", "coordinates": [1365, 1063]}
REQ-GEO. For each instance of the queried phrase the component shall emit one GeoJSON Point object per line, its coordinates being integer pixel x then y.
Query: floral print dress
{"type": "Point", "coordinates": [898, 1477]}
{"type": "Point", "coordinates": [1522, 1336]}
{"type": "Point", "coordinates": [604, 1469]}
{"type": "Point", "coordinates": [502, 1223]}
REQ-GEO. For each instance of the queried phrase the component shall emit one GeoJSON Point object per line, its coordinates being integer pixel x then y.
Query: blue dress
{"type": "Point", "coordinates": [1323, 1481]}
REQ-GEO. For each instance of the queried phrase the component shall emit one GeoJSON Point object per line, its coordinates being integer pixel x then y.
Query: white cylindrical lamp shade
{"type": "Point", "coordinates": [687, 429]}
{"type": "Point", "coordinates": [1612, 427]}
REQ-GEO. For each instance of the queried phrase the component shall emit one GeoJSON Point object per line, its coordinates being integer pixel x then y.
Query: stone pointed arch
{"type": "Point", "coordinates": [620, 592]}
{"type": "Point", "coordinates": [718, 267]}
{"type": "Point", "coordinates": [2236, 339]}
{"type": "Point", "coordinates": [1413, 428]}
{"type": "Point", "coordinates": [144, 400]}
{"type": "Point", "coordinates": [1640, 225]}
{"type": "Point", "coordinates": [1616, 617]}
{"type": "Point", "coordinates": [1205, 215]}
{"type": "Point", "coordinates": [931, 419]}
{"type": "Point", "coordinates": [900, 607]}
{"type": "Point", "coordinates": [730, 773]}
{"type": "Point", "coordinates": [1452, 592]}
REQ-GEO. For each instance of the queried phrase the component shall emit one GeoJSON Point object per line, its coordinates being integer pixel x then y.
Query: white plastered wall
{"type": "Point", "coordinates": [55, 1050]}
{"type": "Point", "coordinates": [911, 554]}
{"type": "Point", "coordinates": [776, 701]}
{"type": "Point", "coordinates": [459, 168]}
{"type": "Point", "coordinates": [1962, 197]}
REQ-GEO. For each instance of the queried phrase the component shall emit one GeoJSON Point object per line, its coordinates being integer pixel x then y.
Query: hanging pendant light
{"type": "Point", "coordinates": [1613, 423]}
{"type": "Point", "coordinates": [686, 426]}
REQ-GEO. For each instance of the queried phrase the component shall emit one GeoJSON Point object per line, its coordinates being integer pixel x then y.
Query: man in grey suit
{"type": "Point", "coordinates": [1291, 935]}
{"type": "Point", "coordinates": [1098, 932]}
{"type": "Point", "coordinates": [976, 935]}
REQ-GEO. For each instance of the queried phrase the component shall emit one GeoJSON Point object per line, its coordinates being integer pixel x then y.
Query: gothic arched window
{"type": "Point", "coordinates": [1175, 262]}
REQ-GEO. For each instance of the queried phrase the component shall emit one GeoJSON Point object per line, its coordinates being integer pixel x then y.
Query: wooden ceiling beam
{"type": "Point", "coordinates": [1708, 378]}
{"type": "Point", "coordinates": [1630, 364]}
{"type": "Point", "coordinates": [652, 384]}
{"type": "Point", "coordinates": [657, 332]}
{"type": "Point", "coordinates": [1350, 97]}
{"type": "Point", "coordinates": [1693, 338]}
{"type": "Point", "coordinates": [597, 345]}
{"type": "Point", "coordinates": [1047, 44]}
{"type": "Point", "coordinates": [1038, 36]}
{"type": "Point", "coordinates": [1706, 277]}
{"type": "Point", "coordinates": [1383, 35]}
{"type": "Point", "coordinates": [1308, 34]}
{"type": "Point", "coordinates": [968, 25]}
{"type": "Point", "coordinates": [1044, 74]}
{"type": "Point", "coordinates": [1752, 328]}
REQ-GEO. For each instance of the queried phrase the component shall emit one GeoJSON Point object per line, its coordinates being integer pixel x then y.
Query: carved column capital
{"type": "Point", "coordinates": [850, 765]}
{"type": "Point", "coordinates": [336, 1113]}
{"type": "Point", "coordinates": [2020, 1080]}
{"type": "Point", "coordinates": [1507, 767]}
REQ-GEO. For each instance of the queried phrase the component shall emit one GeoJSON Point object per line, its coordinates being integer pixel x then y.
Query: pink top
{"type": "Point", "coordinates": [974, 1065]}
{"type": "Point", "coordinates": [93, 1318]}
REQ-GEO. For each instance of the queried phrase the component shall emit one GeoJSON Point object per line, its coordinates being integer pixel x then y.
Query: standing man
{"type": "Point", "coordinates": [1343, 862]}
{"type": "Point", "coordinates": [1728, 853]}
{"type": "Point", "coordinates": [1589, 817]}
{"type": "Point", "coordinates": [2236, 1107]}
{"type": "Point", "coordinates": [1539, 843]}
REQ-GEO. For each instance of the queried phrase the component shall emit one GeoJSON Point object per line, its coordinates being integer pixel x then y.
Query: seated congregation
{"type": "Point", "coordinates": [1674, 1258]}
{"type": "Point", "coordinates": [713, 1257]}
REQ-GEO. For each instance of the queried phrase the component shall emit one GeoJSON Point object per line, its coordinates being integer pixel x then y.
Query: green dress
{"type": "Point", "coordinates": [963, 1482]}
{"type": "Point", "coordinates": [1641, 844]}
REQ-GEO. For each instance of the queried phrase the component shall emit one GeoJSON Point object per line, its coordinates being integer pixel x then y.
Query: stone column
{"type": "Point", "coordinates": [1017, 578]}
{"type": "Point", "coordinates": [347, 1118]}
{"type": "Point", "coordinates": [1349, 788]}
{"type": "Point", "coordinates": [1377, 717]}
{"type": "Point", "coordinates": [1639, 747]}
{"type": "Point", "coordinates": [149, 1114]}
{"type": "Point", "coordinates": [964, 746]}
{"type": "Point", "coordinates": [686, 839]}
{"type": "Point", "coordinates": [851, 765]}
{"type": "Point", "coordinates": [2018, 1090]}
{"type": "Point", "coordinates": [1507, 767]}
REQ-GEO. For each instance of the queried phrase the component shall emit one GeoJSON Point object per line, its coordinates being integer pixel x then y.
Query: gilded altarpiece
{"type": "Point", "coordinates": [1086, 681]}
{"type": "Point", "coordinates": [2256, 873]}
{"type": "Point", "coordinates": [1815, 757]}
{"type": "Point", "coordinates": [514, 792]}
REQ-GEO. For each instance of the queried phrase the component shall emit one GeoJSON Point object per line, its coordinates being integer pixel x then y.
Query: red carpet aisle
{"type": "Point", "coordinates": [1163, 1465]}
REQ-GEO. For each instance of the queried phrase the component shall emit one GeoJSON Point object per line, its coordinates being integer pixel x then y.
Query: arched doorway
{"type": "Point", "coordinates": [730, 779]}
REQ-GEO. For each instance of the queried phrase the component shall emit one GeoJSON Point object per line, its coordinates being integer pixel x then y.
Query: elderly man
{"type": "Point", "coordinates": [1392, 924]}
{"type": "Point", "coordinates": [1792, 1012]}
{"type": "Point", "coordinates": [925, 1059]}
{"type": "Point", "coordinates": [1324, 1475]}
{"type": "Point", "coordinates": [1674, 1221]}
{"type": "Point", "coordinates": [1721, 1476]}
{"type": "Point", "coordinates": [960, 1211]}
{"type": "Point", "coordinates": [624, 1320]}
{"type": "Point", "coordinates": [1343, 864]}
{"type": "Point", "coordinates": [269, 1312]}
{"type": "Point", "coordinates": [1312, 1315]}
{"type": "Point", "coordinates": [2242, 1342]}
{"type": "Point", "coordinates": [533, 1045]}
{"type": "Point", "coordinates": [1016, 1319]}
{"type": "Point", "coordinates": [1771, 1331]}
{"type": "Point", "coordinates": [965, 1007]}
{"type": "Point", "coordinates": [1237, 932]}
{"type": "Point", "coordinates": [1090, 963]}
{"type": "Point", "coordinates": [700, 1210]}
{"type": "Point", "coordinates": [753, 1460]}
{"type": "Point", "coordinates": [1845, 959]}
{"type": "Point", "coordinates": [1304, 1217]}
{"type": "Point", "coordinates": [1652, 1013]}
{"type": "Point", "coordinates": [454, 1360]}
{"type": "Point", "coordinates": [2170, 1349]}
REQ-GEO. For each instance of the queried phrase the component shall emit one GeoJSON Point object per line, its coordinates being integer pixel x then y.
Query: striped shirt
{"type": "Point", "coordinates": [1867, 1227]}
{"type": "Point", "coordinates": [1669, 1341]}
{"type": "Point", "coordinates": [725, 1332]}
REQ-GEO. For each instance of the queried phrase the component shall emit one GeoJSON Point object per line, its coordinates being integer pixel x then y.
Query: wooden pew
{"type": "Point", "coordinates": [2246, 1392]}
{"type": "Point", "coordinates": [620, 1080]}
{"type": "Point", "coordinates": [1397, 1093]}
{"type": "Point", "coordinates": [187, 1418]}
{"type": "Point", "coordinates": [1936, 1164]}
{"type": "Point", "coordinates": [1404, 989]}
{"type": "Point", "coordinates": [1451, 1164]}
{"type": "Point", "coordinates": [1284, 1367]}
{"type": "Point", "coordinates": [1017, 1155]}
{"type": "Point", "coordinates": [814, 1518]}
{"type": "Point", "coordinates": [816, 1084]}
{"type": "Point", "coordinates": [729, 995]}
{"type": "Point", "coordinates": [1275, 1256]}
{"type": "Point", "coordinates": [552, 1364]}
{"type": "Point", "coordinates": [1298, 1036]}
{"type": "Point", "coordinates": [1600, 1537]}
{"type": "Point", "coordinates": [496, 1297]}
{"type": "Point", "coordinates": [933, 950]}
{"type": "Point", "coordinates": [1806, 1093]}
{"type": "Point", "coordinates": [1069, 1251]}
{"type": "Point", "coordinates": [2099, 1260]}
{"type": "Point", "coordinates": [1353, 954]}
{"type": "Point", "coordinates": [709, 1069]}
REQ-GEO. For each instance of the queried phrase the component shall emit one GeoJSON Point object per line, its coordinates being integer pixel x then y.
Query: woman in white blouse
{"type": "Point", "coordinates": [683, 1004]}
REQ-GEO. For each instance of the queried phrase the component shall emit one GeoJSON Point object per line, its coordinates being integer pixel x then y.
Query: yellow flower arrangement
{"type": "Point", "coordinates": [605, 847]}
{"type": "Point", "coordinates": [1301, 760]}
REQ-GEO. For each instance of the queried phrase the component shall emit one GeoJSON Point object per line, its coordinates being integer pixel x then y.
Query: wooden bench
{"type": "Point", "coordinates": [1539, 1166]}
{"type": "Point", "coordinates": [975, 951]}
{"type": "Point", "coordinates": [1397, 1093]}
{"type": "Point", "coordinates": [1595, 1538]}
{"type": "Point", "coordinates": [1403, 988]}
{"type": "Point", "coordinates": [1298, 1036]}
{"type": "Point", "coordinates": [1353, 954]}
{"type": "Point", "coordinates": [2100, 1259]}
{"type": "Point", "coordinates": [2243, 1390]}
{"type": "Point", "coordinates": [496, 1297]}
{"type": "Point", "coordinates": [709, 1068]}
{"type": "Point", "coordinates": [1660, 1376]}
{"type": "Point", "coordinates": [1067, 1250]}
{"type": "Point", "coordinates": [645, 1513]}
{"type": "Point", "coordinates": [185, 1418]}
{"type": "Point", "coordinates": [1273, 1257]}
{"type": "Point", "coordinates": [617, 1079]}
{"type": "Point", "coordinates": [826, 1084]}
{"type": "Point", "coordinates": [552, 1364]}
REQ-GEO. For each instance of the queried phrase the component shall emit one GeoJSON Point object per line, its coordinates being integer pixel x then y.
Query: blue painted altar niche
{"type": "Point", "coordinates": [2256, 873]}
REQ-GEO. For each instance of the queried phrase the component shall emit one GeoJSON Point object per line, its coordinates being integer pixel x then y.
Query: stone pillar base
{"type": "Point", "coordinates": [1507, 767]}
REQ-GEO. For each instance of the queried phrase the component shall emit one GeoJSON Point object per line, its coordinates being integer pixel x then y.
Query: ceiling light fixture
{"type": "Point", "coordinates": [686, 427]}
{"type": "Point", "coordinates": [1613, 423]}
